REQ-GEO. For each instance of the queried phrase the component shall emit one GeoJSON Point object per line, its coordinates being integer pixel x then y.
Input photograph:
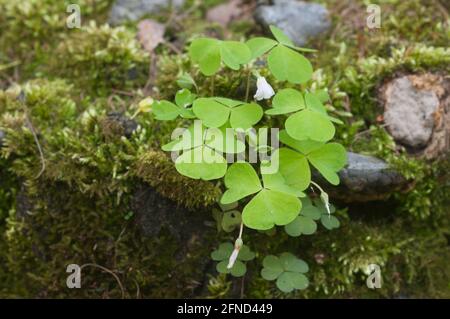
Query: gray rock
{"type": "Point", "coordinates": [366, 178]}
{"type": "Point", "coordinates": [128, 125]}
{"type": "Point", "coordinates": [133, 10]}
{"type": "Point", "coordinates": [300, 20]}
{"type": "Point", "coordinates": [409, 112]}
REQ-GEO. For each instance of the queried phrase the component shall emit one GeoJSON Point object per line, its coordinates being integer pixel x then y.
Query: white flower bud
{"type": "Point", "coordinates": [237, 246]}
{"type": "Point", "coordinates": [264, 90]}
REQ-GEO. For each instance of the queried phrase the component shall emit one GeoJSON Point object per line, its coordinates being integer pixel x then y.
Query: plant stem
{"type": "Point", "coordinates": [247, 89]}
{"type": "Point", "coordinates": [241, 230]}
{"type": "Point", "coordinates": [317, 185]}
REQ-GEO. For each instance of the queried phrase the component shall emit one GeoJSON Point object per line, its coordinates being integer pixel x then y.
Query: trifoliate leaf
{"type": "Point", "coordinates": [209, 53]}
{"type": "Point", "coordinates": [273, 268]}
{"type": "Point", "coordinates": [280, 36]}
{"type": "Point", "coordinates": [215, 112]}
{"type": "Point", "coordinates": [328, 160]}
{"type": "Point", "coordinates": [294, 168]}
{"type": "Point", "coordinates": [259, 46]}
{"type": "Point", "coordinates": [292, 263]}
{"type": "Point", "coordinates": [241, 180]}
{"type": "Point", "coordinates": [321, 207]}
{"type": "Point", "coordinates": [245, 254]}
{"type": "Point", "coordinates": [206, 52]}
{"type": "Point", "coordinates": [287, 270]}
{"type": "Point", "coordinates": [228, 102]}
{"type": "Point", "coordinates": [301, 225]}
{"type": "Point", "coordinates": [288, 281]}
{"type": "Point", "coordinates": [201, 163]}
{"type": "Point", "coordinates": [211, 112]}
{"type": "Point", "coordinates": [245, 115]}
{"type": "Point", "coordinates": [165, 110]}
{"type": "Point", "coordinates": [234, 54]}
{"type": "Point", "coordinates": [329, 221]}
{"type": "Point", "coordinates": [278, 183]}
{"type": "Point", "coordinates": [224, 140]}
{"type": "Point", "coordinates": [223, 252]}
{"type": "Point", "coordinates": [189, 138]}
{"type": "Point", "coordinates": [310, 211]}
{"type": "Point", "coordinates": [238, 270]}
{"type": "Point", "coordinates": [288, 65]}
{"type": "Point", "coordinates": [292, 173]}
{"type": "Point", "coordinates": [287, 101]}
{"type": "Point", "coordinates": [184, 98]}
{"type": "Point", "coordinates": [304, 147]}
{"type": "Point", "coordinates": [314, 103]}
{"type": "Point", "coordinates": [269, 208]}
{"type": "Point", "coordinates": [322, 95]}
{"type": "Point", "coordinates": [308, 124]}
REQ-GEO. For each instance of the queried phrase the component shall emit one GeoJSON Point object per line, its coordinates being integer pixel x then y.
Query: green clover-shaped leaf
{"type": "Point", "coordinates": [284, 62]}
{"type": "Point", "coordinates": [322, 95]}
{"type": "Point", "coordinates": [202, 151]}
{"type": "Point", "coordinates": [288, 65]}
{"type": "Point", "coordinates": [165, 110]}
{"type": "Point", "coordinates": [287, 269]}
{"type": "Point", "coordinates": [185, 81]}
{"type": "Point", "coordinates": [328, 221]}
{"type": "Point", "coordinates": [168, 111]}
{"type": "Point", "coordinates": [222, 255]}
{"type": "Point", "coordinates": [241, 181]}
{"type": "Point", "coordinates": [328, 158]}
{"type": "Point", "coordinates": [184, 98]}
{"type": "Point", "coordinates": [271, 206]}
{"type": "Point", "coordinates": [201, 163]}
{"type": "Point", "coordinates": [294, 168]}
{"type": "Point", "coordinates": [311, 211]}
{"type": "Point", "coordinates": [287, 101]}
{"type": "Point", "coordinates": [301, 225]}
{"type": "Point", "coordinates": [259, 46]}
{"type": "Point", "coordinates": [215, 112]}
{"type": "Point", "coordinates": [310, 119]}
{"type": "Point", "coordinates": [281, 37]}
{"type": "Point", "coordinates": [209, 53]}
{"type": "Point", "coordinates": [312, 123]}
{"type": "Point", "coordinates": [223, 140]}
{"type": "Point", "coordinates": [305, 224]}
{"type": "Point", "coordinates": [293, 175]}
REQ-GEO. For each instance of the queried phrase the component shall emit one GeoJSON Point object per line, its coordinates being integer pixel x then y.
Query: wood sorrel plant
{"type": "Point", "coordinates": [267, 198]}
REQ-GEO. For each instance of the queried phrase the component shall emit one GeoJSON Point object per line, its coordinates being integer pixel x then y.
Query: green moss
{"type": "Point", "coordinates": [78, 209]}
{"type": "Point", "coordinates": [101, 59]}
{"type": "Point", "coordinates": [29, 29]}
{"type": "Point", "coordinates": [159, 172]}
